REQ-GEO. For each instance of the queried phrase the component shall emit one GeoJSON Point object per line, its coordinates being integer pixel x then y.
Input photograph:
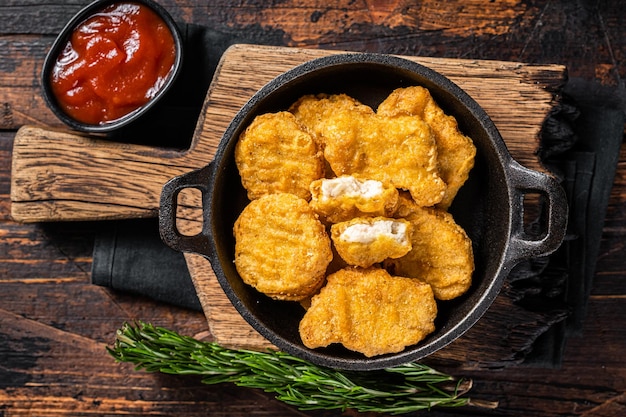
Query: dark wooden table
{"type": "Point", "coordinates": [55, 325]}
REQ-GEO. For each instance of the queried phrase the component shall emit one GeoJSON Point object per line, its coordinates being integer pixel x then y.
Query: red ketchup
{"type": "Point", "coordinates": [114, 63]}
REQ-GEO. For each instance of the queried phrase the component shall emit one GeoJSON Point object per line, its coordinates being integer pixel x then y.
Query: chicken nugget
{"type": "Point", "coordinates": [281, 247]}
{"type": "Point", "coordinates": [315, 112]}
{"type": "Point", "coordinates": [364, 241]}
{"type": "Point", "coordinates": [276, 155]}
{"type": "Point", "coordinates": [343, 198]}
{"type": "Point", "coordinates": [369, 311]}
{"type": "Point", "coordinates": [441, 254]}
{"type": "Point", "coordinates": [455, 151]}
{"type": "Point", "coordinates": [400, 150]}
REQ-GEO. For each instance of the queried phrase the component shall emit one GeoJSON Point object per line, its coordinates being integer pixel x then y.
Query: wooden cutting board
{"type": "Point", "coordinates": [64, 176]}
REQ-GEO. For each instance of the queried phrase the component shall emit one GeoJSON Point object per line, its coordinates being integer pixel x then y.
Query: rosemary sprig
{"type": "Point", "coordinates": [397, 390]}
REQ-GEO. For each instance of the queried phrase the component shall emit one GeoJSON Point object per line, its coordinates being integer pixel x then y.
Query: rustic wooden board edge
{"type": "Point", "coordinates": [220, 312]}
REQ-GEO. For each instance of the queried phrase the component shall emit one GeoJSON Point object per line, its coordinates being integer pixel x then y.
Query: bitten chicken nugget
{"type": "Point", "coordinates": [441, 254]}
{"type": "Point", "coordinates": [276, 155]}
{"type": "Point", "coordinates": [369, 311]}
{"type": "Point", "coordinates": [400, 150]}
{"type": "Point", "coordinates": [455, 151]}
{"type": "Point", "coordinates": [364, 241]}
{"type": "Point", "coordinates": [343, 198]}
{"type": "Point", "coordinates": [281, 248]}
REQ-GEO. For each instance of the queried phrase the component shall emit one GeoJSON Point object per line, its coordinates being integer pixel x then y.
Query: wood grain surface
{"type": "Point", "coordinates": [54, 324]}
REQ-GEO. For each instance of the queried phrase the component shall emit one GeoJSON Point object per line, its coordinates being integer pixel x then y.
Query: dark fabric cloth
{"type": "Point", "coordinates": [580, 144]}
{"type": "Point", "coordinates": [129, 256]}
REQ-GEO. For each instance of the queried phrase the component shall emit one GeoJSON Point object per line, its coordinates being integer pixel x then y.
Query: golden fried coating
{"type": "Point", "coordinates": [343, 198]}
{"type": "Point", "coordinates": [400, 150]}
{"type": "Point", "coordinates": [455, 151]}
{"type": "Point", "coordinates": [365, 241]}
{"type": "Point", "coordinates": [405, 205]}
{"type": "Point", "coordinates": [276, 155]}
{"type": "Point", "coordinates": [441, 255]}
{"type": "Point", "coordinates": [369, 311]}
{"type": "Point", "coordinates": [281, 248]}
{"type": "Point", "coordinates": [315, 111]}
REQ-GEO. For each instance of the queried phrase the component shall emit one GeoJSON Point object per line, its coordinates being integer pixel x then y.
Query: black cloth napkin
{"type": "Point", "coordinates": [129, 256]}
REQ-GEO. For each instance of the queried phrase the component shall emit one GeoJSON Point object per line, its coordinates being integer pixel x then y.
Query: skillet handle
{"type": "Point", "coordinates": [199, 243]}
{"type": "Point", "coordinates": [525, 181]}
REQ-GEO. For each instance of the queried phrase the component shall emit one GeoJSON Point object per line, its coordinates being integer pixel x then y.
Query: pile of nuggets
{"type": "Point", "coordinates": [348, 216]}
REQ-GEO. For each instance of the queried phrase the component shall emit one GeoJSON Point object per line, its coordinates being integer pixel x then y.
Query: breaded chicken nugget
{"type": "Point", "coordinates": [441, 254]}
{"type": "Point", "coordinates": [364, 241]}
{"type": "Point", "coordinates": [369, 311]}
{"type": "Point", "coordinates": [275, 154]}
{"type": "Point", "coordinates": [281, 248]}
{"type": "Point", "coordinates": [455, 151]}
{"type": "Point", "coordinates": [343, 198]}
{"type": "Point", "coordinates": [399, 150]}
{"type": "Point", "coordinates": [315, 111]}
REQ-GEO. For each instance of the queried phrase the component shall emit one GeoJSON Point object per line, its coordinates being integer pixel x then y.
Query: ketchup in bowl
{"type": "Point", "coordinates": [113, 63]}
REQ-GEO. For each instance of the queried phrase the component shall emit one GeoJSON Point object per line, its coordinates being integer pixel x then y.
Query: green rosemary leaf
{"type": "Point", "coordinates": [396, 390]}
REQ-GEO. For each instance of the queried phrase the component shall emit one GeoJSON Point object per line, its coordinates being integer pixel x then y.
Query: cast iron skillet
{"type": "Point", "coordinates": [489, 206]}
